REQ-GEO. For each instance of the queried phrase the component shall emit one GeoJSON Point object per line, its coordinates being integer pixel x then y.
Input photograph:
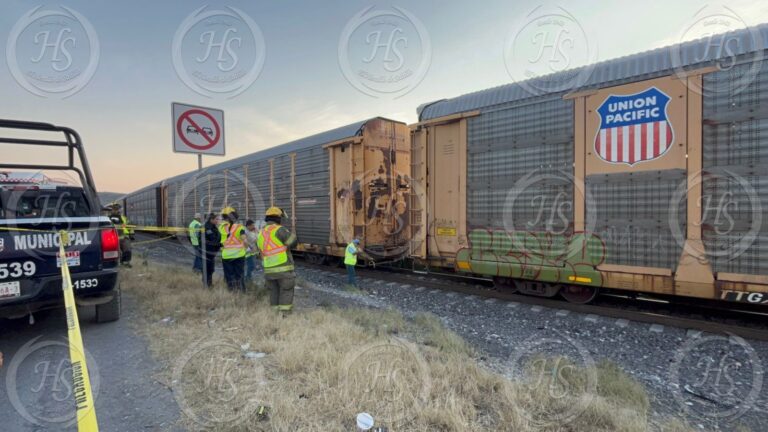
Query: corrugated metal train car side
{"type": "Point", "coordinates": [556, 198]}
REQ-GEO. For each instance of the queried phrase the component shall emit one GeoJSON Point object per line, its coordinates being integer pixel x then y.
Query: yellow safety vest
{"type": "Point", "coordinates": [194, 232]}
{"type": "Point", "coordinates": [125, 230]}
{"type": "Point", "coordinates": [274, 253]}
{"type": "Point", "coordinates": [232, 246]}
{"type": "Point", "coordinates": [350, 255]}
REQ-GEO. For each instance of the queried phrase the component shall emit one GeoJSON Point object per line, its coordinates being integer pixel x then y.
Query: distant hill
{"type": "Point", "coordinates": [108, 197]}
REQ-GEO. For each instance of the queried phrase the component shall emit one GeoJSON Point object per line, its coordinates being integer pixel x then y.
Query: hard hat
{"type": "Point", "coordinates": [198, 216]}
{"type": "Point", "coordinates": [227, 210]}
{"type": "Point", "coordinates": [274, 211]}
{"type": "Point", "coordinates": [356, 241]}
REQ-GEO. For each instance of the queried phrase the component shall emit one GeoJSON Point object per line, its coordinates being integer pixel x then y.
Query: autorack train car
{"type": "Point", "coordinates": [349, 182]}
{"type": "Point", "coordinates": [646, 173]}
{"type": "Point", "coordinates": [145, 206]}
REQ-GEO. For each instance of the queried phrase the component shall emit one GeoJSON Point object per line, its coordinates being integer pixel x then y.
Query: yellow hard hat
{"type": "Point", "coordinates": [227, 210]}
{"type": "Point", "coordinates": [274, 211]}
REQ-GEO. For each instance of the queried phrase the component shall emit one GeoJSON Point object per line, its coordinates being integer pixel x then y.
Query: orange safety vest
{"type": "Point", "coordinates": [274, 253]}
{"type": "Point", "coordinates": [232, 247]}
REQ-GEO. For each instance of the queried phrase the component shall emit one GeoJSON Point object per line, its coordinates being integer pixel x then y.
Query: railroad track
{"type": "Point", "coordinates": [751, 324]}
{"type": "Point", "coordinates": [746, 324]}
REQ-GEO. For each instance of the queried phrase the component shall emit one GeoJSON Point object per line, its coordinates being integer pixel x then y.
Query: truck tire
{"type": "Point", "coordinates": [110, 311]}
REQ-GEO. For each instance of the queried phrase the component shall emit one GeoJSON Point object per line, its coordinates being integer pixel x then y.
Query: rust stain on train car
{"type": "Point", "coordinates": [370, 189]}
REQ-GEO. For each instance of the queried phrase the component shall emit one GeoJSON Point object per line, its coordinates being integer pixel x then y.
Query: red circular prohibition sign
{"type": "Point", "coordinates": [187, 115]}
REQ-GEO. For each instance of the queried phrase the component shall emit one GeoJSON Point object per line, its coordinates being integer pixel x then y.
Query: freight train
{"type": "Point", "coordinates": [647, 174]}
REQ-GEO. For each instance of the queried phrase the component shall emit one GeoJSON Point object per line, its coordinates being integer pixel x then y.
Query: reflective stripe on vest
{"type": "Point", "coordinates": [274, 253]}
{"type": "Point", "coordinates": [194, 232]}
{"type": "Point", "coordinates": [233, 246]}
{"type": "Point", "coordinates": [350, 255]}
{"type": "Point", "coordinates": [125, 230]}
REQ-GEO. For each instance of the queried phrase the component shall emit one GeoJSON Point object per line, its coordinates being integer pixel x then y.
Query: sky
{"type": "Point", "coordinates": [293, 68]}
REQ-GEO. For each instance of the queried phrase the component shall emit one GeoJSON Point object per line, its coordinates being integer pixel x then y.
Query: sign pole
{"type": "Point", "coordinates": [202, 234]}
{"type": "Point", "coordinates": [199, 130]}
{"type": "Point", "coordinates": [204, 255]}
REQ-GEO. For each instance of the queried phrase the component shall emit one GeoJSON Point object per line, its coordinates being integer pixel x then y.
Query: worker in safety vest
{"type": "Point", "coordinates": [195, 233]}
{"type": "Point", "coordinates": [350, 260]}
{"type": "Point", "coordinates": [275, 243]}
{"type": "Point", "coordinates": [233, 244]}
{"type": "Point", "coordinates": [124, 232]}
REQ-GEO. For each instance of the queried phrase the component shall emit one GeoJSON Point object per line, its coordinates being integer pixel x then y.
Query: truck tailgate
{"type": "Point", "coordinates": [25, 254]}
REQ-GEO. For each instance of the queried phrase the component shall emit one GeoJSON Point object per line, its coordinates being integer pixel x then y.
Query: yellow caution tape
{"type": "Point", "coordinates": [119, 227]}
{"type": "Point", "coordinates": [143, 242]}
{"type": "Point", "coordinates": [86, 410]}
{"type": "Point", "coordinates": [158, 229]}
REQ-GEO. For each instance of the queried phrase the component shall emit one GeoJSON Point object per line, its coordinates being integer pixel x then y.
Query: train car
{"type": "Point", "coordinates": [145, 206]}
{"type": "Point", "coordinates": [649, 176]}
{"type": "Point", "coordinates": [349, 182]}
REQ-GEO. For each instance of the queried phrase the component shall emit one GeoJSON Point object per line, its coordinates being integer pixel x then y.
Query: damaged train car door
{"type": "Point", "coordinates": [370, 189]}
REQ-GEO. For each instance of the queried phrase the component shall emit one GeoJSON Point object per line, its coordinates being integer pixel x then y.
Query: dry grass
{"type": "Point", "coordinates": [324, 365]}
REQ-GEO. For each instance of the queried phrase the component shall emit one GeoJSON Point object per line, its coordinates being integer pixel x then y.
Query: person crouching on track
{"type": "Point", "coordinates": [251, 250]}
{"type": "Point", "coordinates": [233, 240]}
{"type": "Point", "coordinates": [212, 239]}
{"type": "Point", "coordinates": [275, 243]}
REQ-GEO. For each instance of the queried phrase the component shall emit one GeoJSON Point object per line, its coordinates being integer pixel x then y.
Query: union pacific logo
{"type": "Point", "coordinates": [634, 128]}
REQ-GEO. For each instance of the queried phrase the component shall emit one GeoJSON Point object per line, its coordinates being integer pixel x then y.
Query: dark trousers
{"type": "Point", "coordinates": [125, 250]}
{"type": "Point", "coordinates": [351, 275]}
{"type": "Point", "coordinates": [281, 291]}
{"type": "Point", "coordinates": [210, 262]}
{"type": "Point", "coordinates": [234, 272]}
{"type": "Point", "coordinates": [198, 263]}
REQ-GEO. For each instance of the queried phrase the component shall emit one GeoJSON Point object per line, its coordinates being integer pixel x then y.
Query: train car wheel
{"type": "Point", "coordinates": [507, 285]}
{"type": "Point", "coordinates": [579, 294]}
